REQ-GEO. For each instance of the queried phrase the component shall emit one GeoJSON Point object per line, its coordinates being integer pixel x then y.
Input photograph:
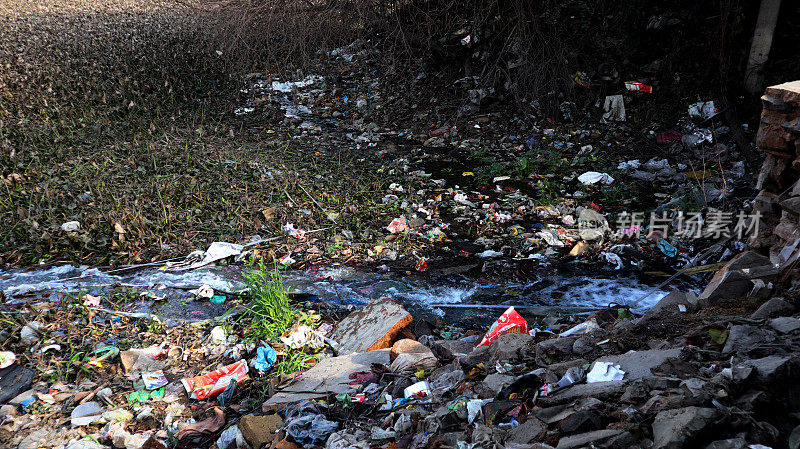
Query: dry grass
{"type": "Point", "coordinates": [110, 112]}
{"type": "Point", "coordinates": [72, 68]}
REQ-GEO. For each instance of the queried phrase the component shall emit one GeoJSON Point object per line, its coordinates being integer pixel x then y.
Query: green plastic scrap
{"type": "Point", "coordinates": [345, 399]}
{"type": "Point", "coordinates": [110, 352]}
{"type": "Point", "coordinates": [144, 395]}
{"type": "Point", "coordinates": [624, 314]}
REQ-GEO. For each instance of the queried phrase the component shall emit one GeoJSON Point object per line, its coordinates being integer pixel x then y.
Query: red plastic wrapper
{"type": "Point", "coordinates": [215, 382]}
{"type": "Point", "coordinates": [639, 87]}
{"type": "Point", "coordinates": [667, 137]}
{"type": "Point", "coordinates": [510, 321]}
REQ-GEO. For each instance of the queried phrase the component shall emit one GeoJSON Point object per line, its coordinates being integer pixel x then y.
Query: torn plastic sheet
{"type": "Point", "coordinates": [289, 86]}
{"type": "Point", "coordinates": [586, 326]}
{"type": "Point", "coordinates": [218, 251]}
{"type": "Point", "coordinates": [604, 372]}
{"type": "Point", "coordinates": [614, 108]}
{"type": "Point", "coordinates": [593, 177]}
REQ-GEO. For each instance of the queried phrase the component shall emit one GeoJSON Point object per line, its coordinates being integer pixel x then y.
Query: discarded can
{"type": "Point", "coordinates": [215, 382]}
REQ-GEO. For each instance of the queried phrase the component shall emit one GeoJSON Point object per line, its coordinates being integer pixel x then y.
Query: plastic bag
{"type": "Point", "coordinates": [397, 225]}
{"type": "Point", "coordinates": [509, 321]}
{"type": "Point", "coordinates": [265, 358]}
{"type": "Point", "coordinates": [604, 372]}
{"type": "Point", "coordinates": [593, 177]}
{"type": "Point", "coordinates": [311, 429]}
{"type": "Point", "coordinates": [215, 382]}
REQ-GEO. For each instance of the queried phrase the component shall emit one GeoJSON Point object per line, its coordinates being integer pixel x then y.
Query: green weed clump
{"type": "Point", "coordinates": [270, 309]}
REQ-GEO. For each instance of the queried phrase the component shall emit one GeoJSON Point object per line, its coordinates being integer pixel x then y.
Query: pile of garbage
{"type": "Point", "coordinates": [490, 186]}
{"type": "Point", "coordinates": [699, 371]}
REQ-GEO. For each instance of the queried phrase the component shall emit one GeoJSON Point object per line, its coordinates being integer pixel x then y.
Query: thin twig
{"type": "Point", "coordinates": [329, 216]}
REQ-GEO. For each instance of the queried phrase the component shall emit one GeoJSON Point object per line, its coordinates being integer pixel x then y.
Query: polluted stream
{"type": "Point", "coordinates": [455, 299]}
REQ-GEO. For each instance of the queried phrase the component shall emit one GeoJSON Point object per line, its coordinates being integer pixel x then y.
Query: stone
{"type": "Point", "coordinates": [636, 392]}
{"type": "Point", "coordinates": [732, 443]}
{"type": "Point", "coordinates": [674, 429]}
{"type": "Point", "coordinates": [589, 439]}
{"type": "Point", "coordinates": [794, 438]}
{"type": "Point", "coordinates": [773, 308]}
{"type": "Point", "coordinates": [584, 345]}
{"type": "Point", "coordinates": [330, 376]}
{"type": "Point", "coordinates": [625, 440]}
{"type": "Point", "coordinates": [14, 380]}
{"type": "Point", "coordinates": [85, 444]}
{"type": "Point", "coordinates": [29, 335]}
{"type": "Point", "coordinates": [554, 414]}
{"type": "Point", "coordinates": [763, 432]}
{"type": "Point", "coordinates": [580, 421]}
{"type": "Point", "coordinates": [36, 439]}
{"type": "Point", "coordinates": [792, 205]}
{"type": "Point", "coordinates": [401, 346]}
{"type": "Point", "coordinates": [598, 390]}
{"type": "Point", "coordinates": [231, 438]}
{"type": "Point", "coordinates": [22, 397]}
{"type": "Point", "coordinates": [765, 202]}
{"type": "Point", "coordinates": [285, 444]}
{"type": "Point", "coordinates": [669, 306]}
{"type": "Point", "coordinates": [478, 355]}
{"type": "Point", "coordinates": [259, 430]}
{"type": "Point", "coordinates": [528, 432]}
{"type": "Point", "coordinates": [8, 410]}
{"type": "Point", "coordinates": [556, 371]}
{"type": "Point", "coordinates": [785, 324]}
{"type": "Point", "coordinates": [787, 229]}
{"type": "Point", "coordinates": [554, 348]}
{"type": "Point", "coordinates": [371, 327]}
{"type": "Point", "coordinates": [643, 175]}
{"type": "Point", "coordinates": [698, 391]}
{"type": "Point", "coordinates": [447, 350]}
{"type": "Point", "coordinates": [638, 364]}
{"type": "Point", "coordinates": [659, 402]}
{"type": "Point", "coordinates": [733, 279]}
{"type": "Point", "coordinates": [744, 339]}
{"type": "Point", "coordinates": [510, 347]}
{"type": "Point", "coordinates": [493, 383]}
{"type": "Point", "coordinates": [86, 413]}
{"type": "Point", "coordinates": [412, 356]}
{"type": "Point", "coordinates": [774, 368]}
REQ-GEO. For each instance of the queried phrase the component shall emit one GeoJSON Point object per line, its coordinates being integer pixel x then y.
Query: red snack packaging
{"type": "Point", "coordinates": [640, 87]}
{"type": "Point", "coordinates": [215, 382]}
{"type": "Point", "coordinates": [509, 321]}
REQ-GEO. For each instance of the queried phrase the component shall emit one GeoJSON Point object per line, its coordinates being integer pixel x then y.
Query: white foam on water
{"type": "Point", "coordinates": [354, 286]}
{"type": "Point", "coordinates": [68, 278]}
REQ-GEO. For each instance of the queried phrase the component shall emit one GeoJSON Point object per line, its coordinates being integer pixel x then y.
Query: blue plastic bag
{"type": "Point", "coordinates": [667, 248]}
{"type": "Point", "coordinates": [265, 358]}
